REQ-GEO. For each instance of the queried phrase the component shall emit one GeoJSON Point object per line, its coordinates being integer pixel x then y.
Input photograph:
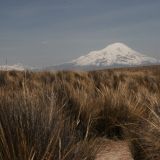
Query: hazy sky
{"type": "Point", "coordinates": [49, 32]}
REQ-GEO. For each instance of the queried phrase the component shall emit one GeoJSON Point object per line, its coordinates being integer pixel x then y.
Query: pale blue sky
{"type": "Point", "coordinates": [49, 32]}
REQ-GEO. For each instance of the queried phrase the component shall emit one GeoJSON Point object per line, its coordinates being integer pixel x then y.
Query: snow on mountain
{"type": "Point", "coordinates": [114, 54]}
{"type": "Point", "coordinates": [17, 67]}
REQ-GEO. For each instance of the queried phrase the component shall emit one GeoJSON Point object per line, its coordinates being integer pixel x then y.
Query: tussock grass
{"type": "Point", "coordinates": [45, 116]}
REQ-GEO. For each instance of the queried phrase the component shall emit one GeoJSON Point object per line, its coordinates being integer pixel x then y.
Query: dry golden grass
{"type": "Point", "coordinates": [45, 116]}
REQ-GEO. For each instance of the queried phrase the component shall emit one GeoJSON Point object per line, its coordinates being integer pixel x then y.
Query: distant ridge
{"type": "Point", "coordinates": [18, 67]}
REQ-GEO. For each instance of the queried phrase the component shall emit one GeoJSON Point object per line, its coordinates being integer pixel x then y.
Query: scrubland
{"type": "Point", "coordinates": [63, 115]}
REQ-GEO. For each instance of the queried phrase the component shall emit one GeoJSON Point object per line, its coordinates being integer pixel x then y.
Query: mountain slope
{"type": "Point", "coordinates": [114, 55]}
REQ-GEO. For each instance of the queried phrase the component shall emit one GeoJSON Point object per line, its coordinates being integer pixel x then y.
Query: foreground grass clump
{"type": "Point", "coordinates": [62, 115]}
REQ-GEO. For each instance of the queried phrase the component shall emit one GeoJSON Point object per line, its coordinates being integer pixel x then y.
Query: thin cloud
{"type": "Point", "coordinates": [44, 42]}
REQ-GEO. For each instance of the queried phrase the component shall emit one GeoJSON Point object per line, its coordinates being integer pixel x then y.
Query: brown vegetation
{"type": "Point", "coordinates": [62, 115]}
{"type": "Point", "coordinates": [113, 150]}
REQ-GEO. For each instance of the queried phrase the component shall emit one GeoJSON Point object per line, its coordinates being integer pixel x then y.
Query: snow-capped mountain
{"type": "Point", "coordinates": [114, 55]}
{"type": "Point", "coordinates": [17, 67]}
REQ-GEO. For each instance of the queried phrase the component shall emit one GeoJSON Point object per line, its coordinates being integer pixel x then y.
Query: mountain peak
{"type": "Point", "coordinates": [116, 44]}
{"type": "Point", "coordinates": [121, 48]}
